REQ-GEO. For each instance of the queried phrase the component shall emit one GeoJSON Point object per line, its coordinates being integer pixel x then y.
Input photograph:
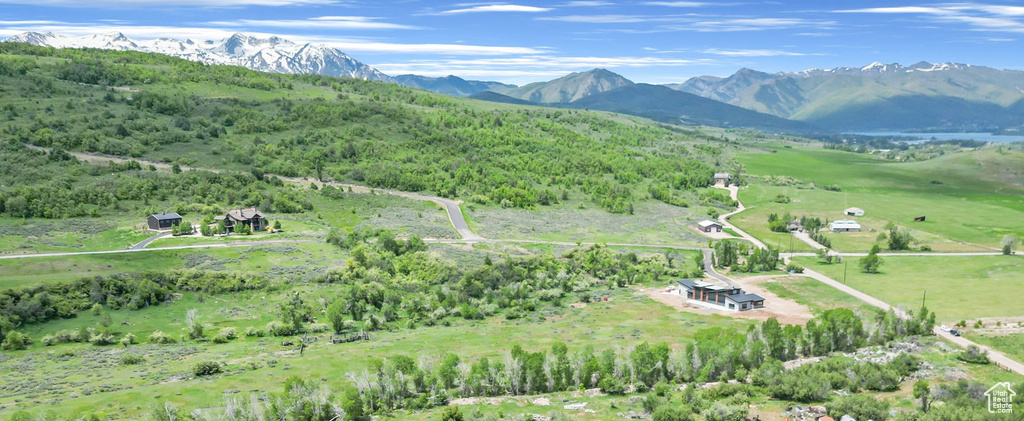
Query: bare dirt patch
{"type": "Point", "coordinates": [784, 310]}
{"type": "Point", "coordinates": [997, 326]}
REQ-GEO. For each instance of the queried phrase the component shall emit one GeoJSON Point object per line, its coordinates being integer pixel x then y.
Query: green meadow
{"type": "Point", "coordinates": [76, 378]}
{"type": "Point", "coordinates": [955, 288]}
{"type": "Point", "coordinates": [970, 198]}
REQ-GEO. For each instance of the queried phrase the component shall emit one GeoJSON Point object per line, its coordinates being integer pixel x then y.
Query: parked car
{"type": "Point", "coordinates": [954, 332]}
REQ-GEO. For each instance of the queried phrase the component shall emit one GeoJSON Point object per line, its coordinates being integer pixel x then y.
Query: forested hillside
{"type": "Point", "coordinates": [166, 109]}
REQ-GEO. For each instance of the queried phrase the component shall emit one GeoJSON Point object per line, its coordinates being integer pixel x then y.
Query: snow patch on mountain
{"type": "Point", "coordinates": [274, 54]}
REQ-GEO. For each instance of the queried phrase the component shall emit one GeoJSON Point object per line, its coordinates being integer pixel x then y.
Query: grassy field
{"type": "Point", "coordinates": [288, 260]}
{"type": "Point", "coordinates": [1012, 345]}
{"type": "Point", "coordinates": [968, 197]}
{"type": "Point", "coordinates": [90, 379]}
{"type": "Point", "coordinates": [815, 295]}
{"type": "Point", "coordinates": [957, 287]}
{"type": "Point", "coordinates": [576, 220]}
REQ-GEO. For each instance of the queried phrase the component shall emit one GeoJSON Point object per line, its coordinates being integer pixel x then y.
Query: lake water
{"type": "Point", "coordinates": [921, 137]}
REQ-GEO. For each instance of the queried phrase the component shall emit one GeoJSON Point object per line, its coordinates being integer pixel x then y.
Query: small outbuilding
{"type": "Point", "coordinates": [709, 226]}
{"type": "Point", "coordinates": [723, 177]}
{"type": "Point", "coordinates": [163, 221]}
{"type": "Point", "coordinates": [844, 225]}
{"type": "Point", "coordinates": [854, 212]}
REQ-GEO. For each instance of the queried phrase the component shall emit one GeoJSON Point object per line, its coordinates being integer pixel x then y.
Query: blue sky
{"type": "Point", "coordinates": [525, 41]}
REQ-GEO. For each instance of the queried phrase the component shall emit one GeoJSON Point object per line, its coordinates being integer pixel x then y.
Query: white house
{"type": "Point", "coordinates": [844, 225]}
{"type": "Point", "coordinates": [854, 212]}
{"type": "Point", "coordinates": [723, 178]}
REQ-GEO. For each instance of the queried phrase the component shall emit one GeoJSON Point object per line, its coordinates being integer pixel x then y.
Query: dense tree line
{"type": "Point", "coordinates": [55, 185]}
{"type": "Point", "coordinates": [63, 300]}
{"type": "Point", "coordinates": [741, 257]}
{"type": "Point", "coordinates": [393, 282]}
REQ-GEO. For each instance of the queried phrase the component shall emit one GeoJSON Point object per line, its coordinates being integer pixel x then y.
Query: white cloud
{"type": "Point", "coordinates": [753, 53]}
{"type": "Point", "coordinates": [443, 49]}
{"type": "Point", "coordinates": [599, 18]}
{"type": "Point", "coordinates": [675, 3]}
{"type": "Point", "coordinates": [978, 17]}
{"type": "Point", "coordinates": [323, 22]}
{"type": "Point", "coordinates": [754, 24]}
{"type": "Point", "coordinates": [585, 3]}
{"type": "Point", "coordinates": [170, 3]}
{"type": "Point", "coordinates": [497, 8]}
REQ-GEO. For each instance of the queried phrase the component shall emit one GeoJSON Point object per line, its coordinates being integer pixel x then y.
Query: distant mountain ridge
{"type": "Point", "coordinates": [274, 54]}
{"type": "Point", "coordinates": [939, 96]}
{"type": "Point", "coordinates": [450, 85]}
{"type": "Point", "coordinates": [569, 88]}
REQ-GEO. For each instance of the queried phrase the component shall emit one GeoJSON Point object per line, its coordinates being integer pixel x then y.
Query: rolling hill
{"type": "Point", "coordinates": [569, 88]}
{"type": "Point", "coordinates": [450, 85]}
{"type": "Point", "coordinates": [924, 96]}
{"type": "Point", "coordinates": [667, 105]}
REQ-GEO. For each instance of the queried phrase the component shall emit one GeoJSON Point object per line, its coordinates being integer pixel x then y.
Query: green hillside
{"type": "Point", "coordinates": [376, 134]}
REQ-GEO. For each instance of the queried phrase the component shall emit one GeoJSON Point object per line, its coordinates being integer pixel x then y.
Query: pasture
{"type": "Point", "coordinates": [970, 198]}
{"type": "Point", "coordinates": [958, 288]}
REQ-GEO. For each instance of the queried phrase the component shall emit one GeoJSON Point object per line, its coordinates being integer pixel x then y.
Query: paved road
{"type": "Point", "coordinates": [724, 219]}
{"type": "Point", "coordinates": [142, 244]}
{"type": "Point", "coordinates": [139, 250]}
{"type": "Point", "coordinates": [709, 268]}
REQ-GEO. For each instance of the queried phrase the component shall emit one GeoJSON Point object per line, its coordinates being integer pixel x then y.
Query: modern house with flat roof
{"type": "Point", "coordinates": [844, 225]}
{"type": "Point", "coordinates": [729, 298]}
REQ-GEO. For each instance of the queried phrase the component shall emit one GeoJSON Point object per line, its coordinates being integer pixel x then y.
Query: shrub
{"type": "Point", "coordinates": [973, 355]}
{"type": "Point", "coordinates": [206, 368]}
{"type": "Point", "coordinates": [132, 359]}
{"type": "Point", "coordinates": [612, 385]}
{"type": "Point", "coordinates": [226, 334]}
{"type": "Point", "coordinates": [670, 413]}
{"type": "Point", "coordinates": [15, 341]}
{"type": "Point", "coordinates": [128, 339]}
{"type": "Point", "coordinates": [159, 337]}
{"type": "Point", "coordinates": [319, 327]}
{"type": "Point", "coordinates": [861, 407]}
{"type": "Point", "coordinates": [794, 268]}
{"type": "Point", "coordinates": [276, 328]}
{"type": "Point", "coordinates": [101, 338]}
{"type": "Point", "coordinates": [253, 332]}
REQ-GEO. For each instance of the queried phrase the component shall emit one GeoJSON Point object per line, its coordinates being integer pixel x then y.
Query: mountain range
{"type": "Point", "coordinates": [923, 96]}
{"type": "Point", "coordinates": [274, 54]}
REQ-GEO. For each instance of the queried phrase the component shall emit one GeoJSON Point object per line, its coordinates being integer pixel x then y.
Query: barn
{"type": "Point", "coordinates": [854, 212]}
{"type": "Point", "coordinates": [709, 226]}
{"type": "Point", "coordinates": [844, 225]}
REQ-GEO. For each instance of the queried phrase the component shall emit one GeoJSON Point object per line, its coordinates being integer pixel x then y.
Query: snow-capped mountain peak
{"type": "Point", "coordinates": [273, 54]}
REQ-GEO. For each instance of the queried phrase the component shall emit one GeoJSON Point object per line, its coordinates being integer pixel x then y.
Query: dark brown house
{"type": "Point", "coordinates": [251, 217]}
{"type": "Point", "coordinates": [163, 221]}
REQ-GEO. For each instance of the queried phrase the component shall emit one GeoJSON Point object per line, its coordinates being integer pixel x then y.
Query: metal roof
{"type": "Point", "coordinates": [165, 216]}
{"type": "Point", "coordinates": [744, 298]}
{"type": "Point", "coordinates": [723, 175]}
{"type": "Point", "coordinates": [844, 223]}
{"type": "Point", "coordinates": [707, 223]}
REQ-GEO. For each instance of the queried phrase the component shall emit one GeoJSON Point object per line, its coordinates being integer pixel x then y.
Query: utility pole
{"type": "Point", "coordinates": [845, 266]}
{"type": "Point", "coordinates": [923, 297]}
